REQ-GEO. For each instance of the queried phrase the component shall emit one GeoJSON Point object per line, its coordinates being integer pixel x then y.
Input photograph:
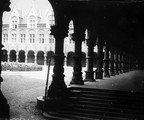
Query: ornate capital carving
{"type": "Point", "coordinates": [59, 31]}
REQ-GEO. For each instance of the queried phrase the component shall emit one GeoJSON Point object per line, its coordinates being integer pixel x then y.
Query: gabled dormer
{"type": "Point", "coordinates": [33, 17]}
{"type": "Point", "coordinates": [14, 18]}
{"type": "Point", "coordinates": [50, 20]}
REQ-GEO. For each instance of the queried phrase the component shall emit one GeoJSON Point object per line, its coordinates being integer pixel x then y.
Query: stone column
{"type": "Point", "coordinates": [112, 73]}
{"type": "Point", "coordinates": [8, 54]}
{"type": "Point", "coordinates": [45, 58]}
{"type": "Point", "coordinates": [17, 56]}
{"type": "Point", "coordinates": [106, 60]}
{"type": "Point", "coordinates": [90, 56]}
{"type": "Point", "coordinates": [35, 57]}
{"type": "Point", "coordinates": [78, 37]}
{"type": "Point", "coordinates": [120, 60]}
{"type": "Point", "coordinates": [4, 107]}
{"type": "Point", "coordinates": [119, 63]}
{"type": "Point", "coordinates": [124, 63]}
{"type": "Point", "coordinates": [99, 70]}
{"type": "Point", "coordinates": [116, 62]}
{"type": "Point", "coordinates": [26, 57]}
{"type": "Point", "coordinates": [57, 91]}
{"type": "Point", "coordinates": [58, 87]}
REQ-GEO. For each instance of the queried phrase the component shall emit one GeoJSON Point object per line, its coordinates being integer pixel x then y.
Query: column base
{"type": "Point", "coordinates": [116, 72]}
{"type": "Point", "coordinates": [106, 74]}
{"type": "Point", "coordinates": [58, 87]}
{"type": "Point", "coordinates": [89, 76]}
{"type": "Point", "coordinates": [77, 78]}
{"type": "Point", "coordinates": [53, 104]}
{"type": "Point", "coordinates": [112, 73]}
{"type": "Point", "coordinates": [4, 107]}
{"type": "Point", "coordinates": [99, 74]}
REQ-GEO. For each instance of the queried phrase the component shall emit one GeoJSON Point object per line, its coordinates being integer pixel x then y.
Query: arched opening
{"type": "Point", "coordinates": [12, 56]}
{"type": "Point", "coordinates": [4, 55]}
{"type": "Point", "coordinates": [50, 56]}
{"type": "Point", "coordinates": [30, 57]}
{"type": "Point", "coordinates": [21, 56]}
{"type": "Point", "coordinates": [83, 62]}
{"type": "Point", "coordinates": [95, 59]}
{"type": "Point", "coordinates": [70, 60]}
{"type": "Point", "coordinates": [40, 58]}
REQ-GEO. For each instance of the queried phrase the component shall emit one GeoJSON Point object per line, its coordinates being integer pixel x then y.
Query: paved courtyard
{"type": "Point", "coordinates": [22, 88]}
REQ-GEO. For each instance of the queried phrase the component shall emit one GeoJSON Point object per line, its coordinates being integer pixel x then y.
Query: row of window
{"type": "Point", "coordinates": [32, 21]}
{"type": "Point", "coordinates": [32, 38]}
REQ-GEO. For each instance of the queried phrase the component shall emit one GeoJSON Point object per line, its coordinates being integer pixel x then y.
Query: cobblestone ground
{"type": "Point", "coordinates": [22, 88]}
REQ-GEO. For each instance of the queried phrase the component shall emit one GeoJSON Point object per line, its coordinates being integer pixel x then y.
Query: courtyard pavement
{"type": "Point", "coordinates": [22, 88]}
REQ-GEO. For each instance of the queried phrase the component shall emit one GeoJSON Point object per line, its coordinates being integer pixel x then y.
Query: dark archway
{"type": "Point", "coordinates": [4, 55]}
{"type": "Point", "coordinates": [70, 60]}
{"type": "Point", "coordinates": [30, 56]}
{"type": "Point", "coordinates": [50, 55]}
{"type": "Point", "coordinates": [95, 59]}
{"type": "Point", "coordinates": [83, 59]}
{"type": "Point", "coordinates": [40, 58]}
{"type": "Point", "coordinates": [12, 56]}
{"type": "Point", "coordinates": [21, 56]}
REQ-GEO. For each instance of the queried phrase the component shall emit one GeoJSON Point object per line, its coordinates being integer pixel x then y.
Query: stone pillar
{"type": "Point", "coordinates": [17, 56]}
{"type": "Point", "coordinates": [120, 62]}
{"type": "Point", "coordinates": [58, 87]}
{"type": "Point", "coordinates": [112, 73]}
{"type": "Point", "coordinates": [124, 63]}
{"type": "Point", "coordinates": [35, 57]}
{"type": "Point", "coordinates": [57, 91]}
{"type": "Point", "coordinates": [8, 54]}
{"type": "Point", "coordinates": [106, 60]}
{"type": "Point", "coordinates": [90, 56]}
{"type": "Point", "coordinates": [26, 57]}
{"type": "Point", "coordinates": [45, 58]}
{"type": "Point", "coordinates": [78, 37]}
{"type": "Point", "coordinates": [4, 107]}
{"type": "Point", "coordinates": [116, 62]}
{"type": "Point", "coordinates": [99, 70]}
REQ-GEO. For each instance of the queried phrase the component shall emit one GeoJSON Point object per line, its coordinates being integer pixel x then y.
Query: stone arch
{"type": "Point", "coordinates": [83, 62]}
{"type": "Point", "coordinates": [12, 56]}
{"type": "Point", "coordinates": [21, 56]}
{"type": "Point", "coordinates": [70, 60]}
{"type": "Point", "coordinates": [40, 58]}
{"type": "Point", "coordinates": [4, 55]}
{"type": "Point", "coordinates": [50, 55]}
{"type": "Point", "coordinates": [30, 57]}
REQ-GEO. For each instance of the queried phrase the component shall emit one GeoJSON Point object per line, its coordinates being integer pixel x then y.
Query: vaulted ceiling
{"type": "Point", "coordinates": [120, 21]}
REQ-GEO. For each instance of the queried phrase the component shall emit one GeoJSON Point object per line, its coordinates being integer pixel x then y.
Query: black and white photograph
{"type": "Point", "coordinates": [71, 59]}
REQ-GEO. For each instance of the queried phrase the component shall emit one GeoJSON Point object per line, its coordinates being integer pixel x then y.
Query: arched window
{"type": "Point", "coordinates": [14, 22]}
{"type": "Point", "coordinates": [32, 22]}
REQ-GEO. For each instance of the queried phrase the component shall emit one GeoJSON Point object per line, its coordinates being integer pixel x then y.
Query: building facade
{"type": "Point", "coordinates": [27, 38]}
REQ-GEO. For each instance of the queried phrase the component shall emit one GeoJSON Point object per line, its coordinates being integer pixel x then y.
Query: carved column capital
{"type": "Point", "coordinates": [59, 31]}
